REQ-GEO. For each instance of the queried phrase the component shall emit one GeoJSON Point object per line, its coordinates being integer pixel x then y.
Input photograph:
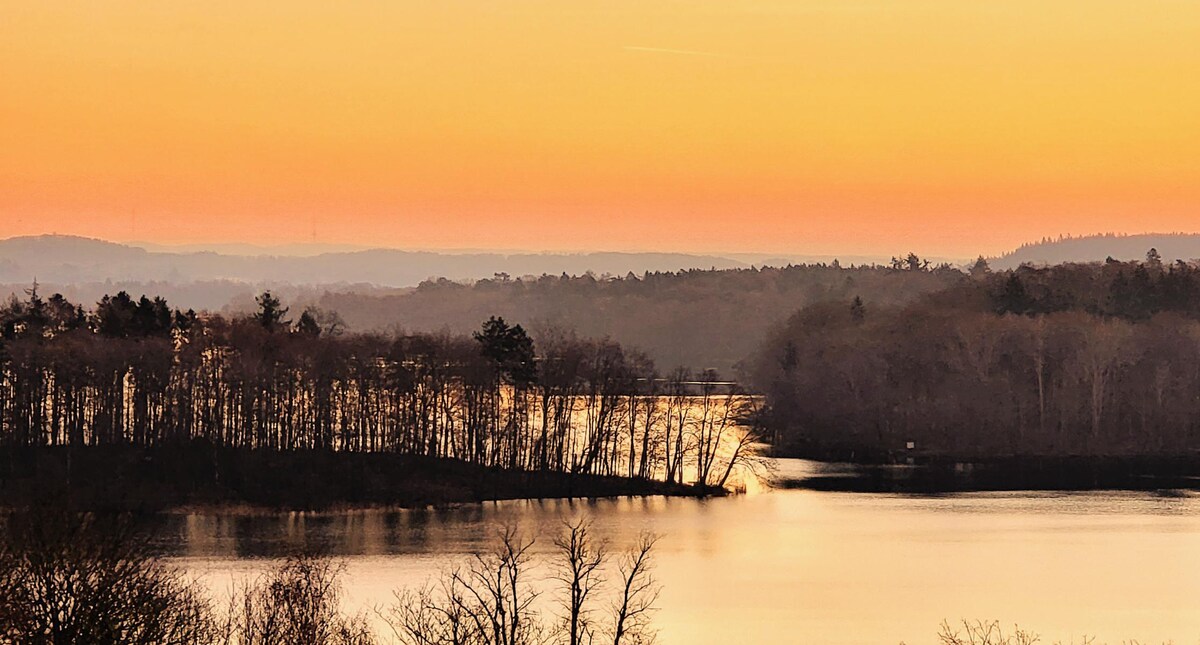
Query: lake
{"type": "Point", "coordinates": [797, 566]}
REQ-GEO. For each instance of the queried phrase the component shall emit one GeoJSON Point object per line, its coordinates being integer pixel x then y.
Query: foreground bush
{"type": "Point", "coordinates": [991, 632]}
{"type": "Point", "coordinates": [299, 601]}
{"type": "Point", "coordinates": [76, 579]}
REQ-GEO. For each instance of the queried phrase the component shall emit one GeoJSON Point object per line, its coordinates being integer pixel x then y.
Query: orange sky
{"type": "Point", "coordinates": [952, 127]}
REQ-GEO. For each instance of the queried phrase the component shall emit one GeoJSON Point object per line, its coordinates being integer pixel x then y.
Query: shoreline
{"type": "Point", "coordinates": [189, 478]}
{"type": "Point", "coordinates": [240, 509]}
{"type": "Point", "coordinates": [943, 474]}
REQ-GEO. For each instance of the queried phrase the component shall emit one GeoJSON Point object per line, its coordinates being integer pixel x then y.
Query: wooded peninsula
{"type": "Point", "coordinates": [136, 404]}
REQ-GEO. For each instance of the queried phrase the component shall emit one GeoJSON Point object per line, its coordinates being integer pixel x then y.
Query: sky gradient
{"type": "Point", "coordinates": [854, 126]}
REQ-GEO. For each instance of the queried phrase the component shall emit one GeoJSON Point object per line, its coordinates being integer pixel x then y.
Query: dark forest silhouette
{"type": "Point", "coordinates": [1076, 359]}
{"type": "Point", "coordinates": [136, 373]}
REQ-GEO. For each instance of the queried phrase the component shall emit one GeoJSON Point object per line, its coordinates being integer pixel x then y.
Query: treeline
{"type": "Point", "coordinates": [1097, 359]}
{"type": "Point", "coordinates": [138, 373]}
{"type": "Point", "coordinates": [700, 319]}
{"type": "Point", "coordinates": [1094, 248]}
{"type": "Point", "coordinates": [1134, 291]}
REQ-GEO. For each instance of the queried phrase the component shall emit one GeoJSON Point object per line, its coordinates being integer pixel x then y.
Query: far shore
{"type": "Point", "coordinates": [932, 474]}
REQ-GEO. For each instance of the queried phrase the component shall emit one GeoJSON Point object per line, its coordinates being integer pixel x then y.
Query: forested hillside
{"type": "Point", "coordinates": [694, 319]}
{"type": "Point", "coordinates": [1097, 248]}
{"type": "Point", "coordinates": [1096, 359]}
{"type": "Point", "coordinates": [699, 319]}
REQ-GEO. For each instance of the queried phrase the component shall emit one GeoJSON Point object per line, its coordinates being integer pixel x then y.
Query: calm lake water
{"type": "Point", "coordinates": [797, 566]}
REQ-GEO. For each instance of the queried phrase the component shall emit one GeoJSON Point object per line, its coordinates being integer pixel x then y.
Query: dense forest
{"type": "Point", "coordinates": [135, 372]}
{"type": "Point", "coordinates": [1075, 359]}
{"type": "Point", "coordinates": [698, 319]}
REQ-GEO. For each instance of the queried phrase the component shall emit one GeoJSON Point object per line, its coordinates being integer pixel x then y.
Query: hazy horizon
{"type": "Point", "coordinates": [300, 247]}
{"type": "Point", "coordinates": [313, 249]}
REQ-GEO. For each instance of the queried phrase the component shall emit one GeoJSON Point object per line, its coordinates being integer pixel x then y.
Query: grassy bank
{"type": "Point", "coordinates": [111, 478]}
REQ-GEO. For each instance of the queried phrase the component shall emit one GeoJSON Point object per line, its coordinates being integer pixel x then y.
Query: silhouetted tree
{"type": "Point", "coordinates": [980, 268]}
{"type": "Point", "coordinates": [639, 592]}
{"type": "Point", "coordinates": [115, 315]}
{"type": "Point", "coordinates": [910, 262]}
{"type": "Point", "coordinates": [858, 310]}
{"type": "Point", "coordinates": [271, 312]}
{"type": "Point", "coordinates": [580, 559]}
{"type": "Point", "coordinates": [509, 349]}
{"type": "Point", "coordinates": [1154, 259]}
{"type": "Point", "coordinates": [307, 325]}
{"type": "Point", "coordinates": [1014, 298]}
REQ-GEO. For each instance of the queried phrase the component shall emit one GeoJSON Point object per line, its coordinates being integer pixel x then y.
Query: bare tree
{"type": "Point", "coordinates": [741, 450]}
{"type": "Point", "coordinates": [639, 593]}
{"type": "Point", "coordinates": [489, 602]}
{"type": "Point", "coordinates": [579, 570]}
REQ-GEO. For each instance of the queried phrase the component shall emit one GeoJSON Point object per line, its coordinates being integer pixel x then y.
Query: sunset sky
{"type": "Point", "coordinates": [951, 127]}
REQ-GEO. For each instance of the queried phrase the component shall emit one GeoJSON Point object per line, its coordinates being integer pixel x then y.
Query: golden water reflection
{"type": "Point", "coordinates": [794, 566]}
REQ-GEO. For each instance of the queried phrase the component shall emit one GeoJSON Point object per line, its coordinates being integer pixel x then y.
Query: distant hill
{"type": "Point", "coordinates": [66, 260]}
{"type": "Point", "coordinates": [698, 319]}
{"type": "Point", "coordinates": [673, 306]}
{"type": "Point", "coordinates": [1097, 248]}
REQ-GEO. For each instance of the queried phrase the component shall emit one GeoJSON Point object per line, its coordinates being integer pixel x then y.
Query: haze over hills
{"type": "Point", "coordinates": [241, 248]}
{"type": "Point", "coordinates": [673, 306]}
{"type": "Point", "coordinates": [1096, 248]}
{"type": "Point", "coordinates": [680, 315]}
{"type": "Point", "coordinates": [73, 260]}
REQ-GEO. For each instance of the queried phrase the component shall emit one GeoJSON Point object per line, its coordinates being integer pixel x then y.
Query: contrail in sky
{"type": "Point", "coordinates": [682, 52]}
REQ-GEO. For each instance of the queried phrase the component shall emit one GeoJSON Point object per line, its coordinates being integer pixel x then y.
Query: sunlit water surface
{"type": "Point", "coordinates": [796, 566]}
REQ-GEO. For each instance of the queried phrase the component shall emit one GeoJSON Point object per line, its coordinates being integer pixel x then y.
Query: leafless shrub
{"type": "Point", "coordinates": [78, 579]}
{"type": "Point", "coordinates": [299, 601]}
{"type": "Point", "coordinates": [984, 632]}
